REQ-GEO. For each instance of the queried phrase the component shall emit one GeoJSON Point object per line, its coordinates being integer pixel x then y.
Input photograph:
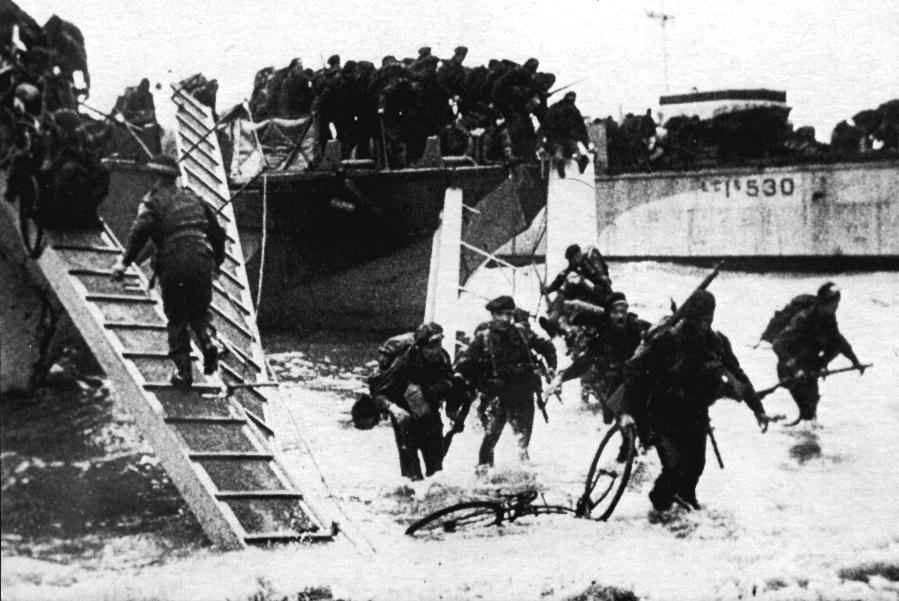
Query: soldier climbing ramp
{"type": "Point", "coordinates": [213, 440]}
{"type": "Point", "coordinates": [220, 459]}
{"type": "Point", "coordinates": [202, 171]}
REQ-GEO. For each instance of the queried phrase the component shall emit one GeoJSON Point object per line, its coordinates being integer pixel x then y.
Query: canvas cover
{"type": "Point", "coordinates": [280, 144]}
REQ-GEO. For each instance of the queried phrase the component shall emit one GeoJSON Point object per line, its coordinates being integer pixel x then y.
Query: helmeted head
{"type": "Point", "coordinates": [429, 62]}
{"type": "Point", "coordinates": [334, 60]}
{"type": "Point", "coordinates": [144, 85]}
{"type": "Point", "coordinates": [829, 297]}
{"type": "Point", "coordinates": [164, 167]}
{"type": "Point", "coordinates": [616, 308]}
{"type": "Point", "coordinates": [388, 60]}
{"type": "Point", "coordinates": [424, 51]}
{"type": "Point", "coordinates": [502, 308]}
{"type": "Point", "coordinates": [699, 309]}
{"type": "Point", "coordinates": [531, 65]}
{"type": "Point", "coordinates": [428, 333]}
{"type": "Point", "coordinates": [570, 96]}
{"type": "Point", "coordinates": [429, 340]}
{"type": "Point", "coordinates": [460, 52]}
{"type": "Point", "coordinates": [573, 253]}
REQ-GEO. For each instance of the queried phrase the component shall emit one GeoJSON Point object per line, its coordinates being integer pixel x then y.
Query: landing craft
{"type": "Point", "coordinates": [346, 245]}
{"type": "Point", "coordinates": [732, 179]}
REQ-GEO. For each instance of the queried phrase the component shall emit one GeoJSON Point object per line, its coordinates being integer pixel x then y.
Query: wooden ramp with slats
{"type": "Point", "coordinates": [213, 447]}
{"type": "Point", "coordinates": [214, 440]}
{"type": "Point", "coordinates": [234, 317]}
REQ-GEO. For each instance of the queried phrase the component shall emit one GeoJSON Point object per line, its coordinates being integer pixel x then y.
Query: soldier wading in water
{"type": "Point", "coordinates": [500, 365]}
{"type": "Point", "coordinates": [411, 388]}
{"type": "Point", "coordinates": [810, 341]}
{"type": "Point", "coordinates": [670, 384]}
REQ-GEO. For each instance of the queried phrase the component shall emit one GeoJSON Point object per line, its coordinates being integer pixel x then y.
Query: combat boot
{"type": "Point", "coordinates": [183, 376]}
{"type": "Point", "coordinates": [210, 358]}
{"type": "Point", "coordinates": [661, 499]}
{"type": "Point", "coordinates": [206, 336]}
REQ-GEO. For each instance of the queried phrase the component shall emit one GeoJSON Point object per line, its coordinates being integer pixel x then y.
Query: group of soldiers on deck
{"type": "Point", "coordinates": [639, 143]}
{"type": "Point", "coordinates": [484, 111]}
{"type": "Point", "coordinates": [664, 377]}
{"type": "Point", "coordinates": [51, 151]}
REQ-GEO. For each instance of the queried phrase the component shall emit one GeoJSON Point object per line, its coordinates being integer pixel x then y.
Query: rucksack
{"type": "Point", "coordinates": [393, 348]}
{"type": "Point", "coordinates": [783, 317]}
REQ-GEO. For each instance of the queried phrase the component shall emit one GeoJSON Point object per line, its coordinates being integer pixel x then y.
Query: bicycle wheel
{"type": "Point", "coordinates": [461, 516]}
{"type": "Point", "coordinates": [608, 474]}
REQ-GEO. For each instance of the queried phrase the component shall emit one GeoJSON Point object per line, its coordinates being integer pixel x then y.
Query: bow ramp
{"type": "Point", "coordinates": [216, 451]}
{"type": "Point", "coordinates": [232, 305]}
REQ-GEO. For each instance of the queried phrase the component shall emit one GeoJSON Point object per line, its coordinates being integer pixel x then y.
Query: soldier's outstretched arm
{"type": "Point", "coordinates": [546, 349]}
{"type": "Point", "coordinates": [843, 347]}
{"type": "Point", "coordinates": [138, 236]}
{"type": "Point", "coordinates": [742, 383]}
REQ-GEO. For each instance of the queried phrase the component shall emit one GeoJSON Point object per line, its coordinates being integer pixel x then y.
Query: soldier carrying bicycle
{"type": "Point", "coordinates": [670, 384]}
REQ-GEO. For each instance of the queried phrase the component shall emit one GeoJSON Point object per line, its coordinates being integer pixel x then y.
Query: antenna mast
{"type": "Point", "coordinates": [662, 17]}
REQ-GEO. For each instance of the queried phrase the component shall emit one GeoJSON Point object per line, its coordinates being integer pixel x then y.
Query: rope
{"type": "Point", "coordinates": [579, 181]}
{"type": "Point", "coordinates": [129, 127]}
{"type": "Point", "coordinates": [328, 489]}
{"type": "Point", "coordinates": [490, 256]}
{"type": "Point", "coordinates": [264, 240]}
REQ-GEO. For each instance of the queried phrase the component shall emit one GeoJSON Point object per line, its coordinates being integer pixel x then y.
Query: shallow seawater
{"type": "Point", "coordinates": [789, 506]}
{"type": "Point", "coordinates": [797, 514]}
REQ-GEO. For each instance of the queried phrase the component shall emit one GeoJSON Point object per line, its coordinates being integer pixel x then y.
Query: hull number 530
{"type": "Point", "coordinates": [750, 186]}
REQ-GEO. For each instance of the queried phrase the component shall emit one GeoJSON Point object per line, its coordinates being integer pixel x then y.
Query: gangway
{"type": "Point", "coordinates": [234, 317]}
{"type": "Point", "coordinates": [216, 453]}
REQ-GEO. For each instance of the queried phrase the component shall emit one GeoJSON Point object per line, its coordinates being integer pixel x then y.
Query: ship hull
{"type": "Point", "coordinates": [350, 253]}
{"type": "Point", "coordinates": [806, 218]}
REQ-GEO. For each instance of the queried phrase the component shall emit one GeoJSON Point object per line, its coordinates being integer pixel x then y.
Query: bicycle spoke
{"type": "Point", "coordinates": [608, 474]}
{"type": "Point", "coordinates": [599, 496]}
{"type": "Point", "coordinates": [458, 517]}
{"type": "Point", "coordinates": [475, 516]}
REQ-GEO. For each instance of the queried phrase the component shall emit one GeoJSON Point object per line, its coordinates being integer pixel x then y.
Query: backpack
{"type": "Point", "coordinates": [393, 348]}
{"type": "Point", "coordinates": [783, 317]}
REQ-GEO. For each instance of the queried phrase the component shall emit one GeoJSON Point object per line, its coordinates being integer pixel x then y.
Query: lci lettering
{"type": "Point", "coordinates": [752, 186]}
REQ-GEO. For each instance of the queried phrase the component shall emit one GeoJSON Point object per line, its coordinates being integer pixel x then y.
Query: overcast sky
{"type": "Point", "coordinates": [831, 59]}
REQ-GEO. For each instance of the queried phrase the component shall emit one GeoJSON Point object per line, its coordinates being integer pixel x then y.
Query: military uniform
{"type": "Point", "coordinates": [670, 384]}
{"type": "Point", "coordinates": [563, 128]}
{"type": "Point", "coordinates": [591, 268]}
{"type": "Point", "coordinates": [139, 108]}
{"type": "Point", "coordinates": [810, 341]}
{"type": "Point", "coordinates": [605, 349]}
{"type": "Point", "coordinates": [189, 245]}
{"type": "Point", "coordinates": [416, 384]}
{"type": "Point", "coordinates": [585, 278]}
{"type": "Point", "coordinates": [500, 364]}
